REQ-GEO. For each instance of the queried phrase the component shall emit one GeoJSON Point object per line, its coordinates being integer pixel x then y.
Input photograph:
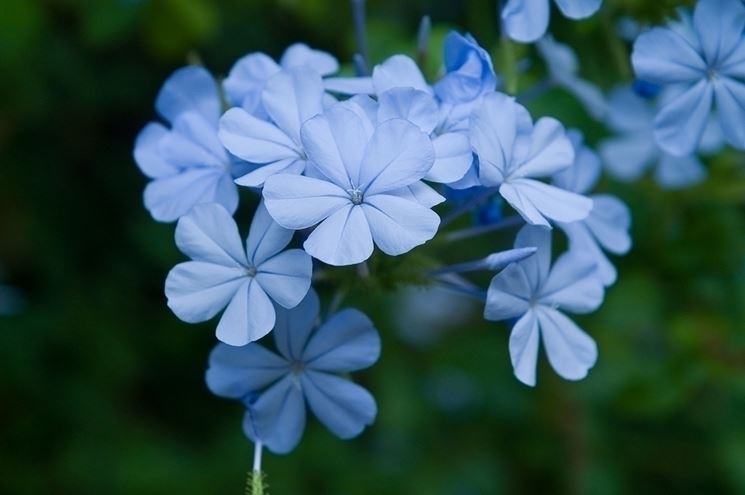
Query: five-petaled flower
{"type": "Point", "coordinates": [224, 275]}
{"type": "Point", "coordinates": [275, 387]}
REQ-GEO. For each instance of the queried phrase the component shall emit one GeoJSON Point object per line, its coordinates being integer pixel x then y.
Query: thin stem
{"type": "Point", "coordinates": [258, 449]}
{"type": "Point", "coordinates": [363, 270]}
{"type": "Point", "coordinates": [536, 91]}
{"type": "Point", "coordinates": [493, 262]}
{"type": "Point", "coordinates": [475, 293]}
{"type": "Point", "coordinates": [422, 41]}
{"type": "Point", "coordinates": [466, 233]}
{"type": "Point", "coordinates": [468, 206]}
{"type": "Point", "coordinates": [507, 56]}
{"type": "Point", "coordinates": [336, 302]}
{"type": "Point", "coordinates": [360, 31]}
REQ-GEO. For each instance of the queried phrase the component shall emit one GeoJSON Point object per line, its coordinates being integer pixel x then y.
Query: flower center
{"type": "Point", "coordinates": [297, 367]}
{"type": "Point", "coordinates": [355, 195]}
{"type": "Point", "coordinates": [250, 271]}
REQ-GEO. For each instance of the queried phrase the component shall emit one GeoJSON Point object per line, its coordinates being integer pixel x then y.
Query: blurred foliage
{"type": "Point", "coordinates": [101, 387]}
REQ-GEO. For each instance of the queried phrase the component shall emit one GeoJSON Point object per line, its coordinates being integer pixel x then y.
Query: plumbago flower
{"type": "Point", "coordinates": [563, 67]}
{"type": "Point", "coordinates": [356, 199]}
{"type": "Point", "coordinates": [527, 20]}
{"type": "Point", "coordinates": [512, 152]}
{"type": "Point", "coordinates": [187, 163]}
{"type": "Point", "coordinates": [634, 149]}
{"type": "Point", "coordinates": [534, 291]}
{"type": "Point", "coordinates": [224, 275]}
{"type": "Point", "coordinates": [290, 98]}
{"type": "Point", "coordinates": [275, 387]}
{"type": "Point", "coordinates": [607, 225]}
{"type": "Point", "coordinates": [705, 56]}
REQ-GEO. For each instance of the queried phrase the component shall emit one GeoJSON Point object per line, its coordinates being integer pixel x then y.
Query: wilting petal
{"type": "Point", "coordinates": [398, 225]}
{"type": "Point", "coordinates": [234, 372]}
{"type": "Point", "coordinates": [524, 339]}
{"type": "Point", "coordinates": [570, 350]}
{"type": "Point", "coordinates": [286, 277]}
{"type": "Point", "coordinates": [342, 406]}
{"type": "Point", "coordinates": [342, 239]}
{"type": "Point", "coordinates": [190, 89]}
{"type": "Point", "coordinates": [346, 342]}
{"type": "Point", "coordinates": [297, 202]}
{"type": "Point", "coordinates": [249, 316]}
{"type": "Point", "coordinates": [397, 155]}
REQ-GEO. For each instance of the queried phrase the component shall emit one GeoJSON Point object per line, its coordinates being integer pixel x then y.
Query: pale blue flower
{"type": "Point", "coordinates": [469, 70]}
{"type": "Point", "coordinates": [563, 69]}
{"type": "Point", "coordinates": [527, 20]}
{"type": "Point", "coordinates": [704, 55]}
{"type": "Point", "coordinates": [275, 387]}
{"type": "Point", "coordinates": [187, 163]}
{"type": "Point", "coordinates": [250, 74]}
{"type": "Point", "coordinates": [356, 199]}
{"type": "Point", "coordinates": [290, 98]}
{"type": "Point", "coordinates": [512, 152]}
{"type": "Point", "coordinates": [633, 151]}
{"type": "Point", "coordinates": [534, 292]}
{"type": "Point", "coordinates": [222, 275]}
{"type": "Point", "coordinates": [607, 225]}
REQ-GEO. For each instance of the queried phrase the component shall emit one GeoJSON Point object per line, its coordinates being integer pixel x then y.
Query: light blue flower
{"type": "Point", "coordinates": [187, 163]}
{"type": "Point", "coordinates": [512, 152]}
{"type": "Point", "coordinates": [222, 275]}
{"type": "Point", "coordinates": [563, 69]}
{"type": "Point", "coordinates": [275, 387]}
{"type": "Point", "coordinates": [290, 98]}
{"type": "Point", "coordinates": [705, 56]}
{"type": "Point", "coordinates": [534, 291]}
{"type": "Point", "coordinates": [607, 225]}
{"type": "Point", "coordinates": [249, 75]}
{"type": "Point", "coordinates": [469, 70]}
{"type": "Point", "coordinates": [634, 150]}
{"type": "Point", "coordinates": [527, 20]}
{"type": "Point", "coordinates": [356, 198]}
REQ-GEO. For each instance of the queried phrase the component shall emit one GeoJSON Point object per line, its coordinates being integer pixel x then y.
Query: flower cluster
{"type": "Point", "coordinates": [340, 166]}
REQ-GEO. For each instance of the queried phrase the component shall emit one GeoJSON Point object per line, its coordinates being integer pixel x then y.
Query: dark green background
{"type": "Point", "coordinates": [101, 387]}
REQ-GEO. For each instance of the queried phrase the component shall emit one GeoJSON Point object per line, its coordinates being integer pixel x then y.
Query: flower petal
{"type": "Point", "coordinates": [493, 130]}
{"type": "Point", "coordinates": [258, 176]}
{"type": "Point", "coordinates": [253, 139]}
{"type": "Point", "coordinates": [534, 200]}
{"type": "Point", "coordinates": [335, 142]}
{"type": "Point", "coordinates": [342, 239]}
{"type": "Point", "coordinates": [663, 56]}
{"type": "Point", "coordinates": [297, 202]}
{"type": "Point", "coordinates": [536, 267]}
{"type": "Point", "coordinates": [294, 326]}
{"type": "Point", "coordinates": [525, 20]}
{"type": "Point", "coordinates": [277, 417]}
{"type": "Point", "coordinates": [346, 342]}
{"type": "Point", "coordinates": [582, 241]}
{"type": "Point", "coordinates": [419, 192]}
{"type": "Point", "coordinates": [146, 153]}
{"type": "Point", "coordinates": [549, 151]}
{"type": "Point", "coordinates": [197, 291]}
{"type": "Point", "coordinates": [235, 372]}
{"type": "Point", "coordinates": [720, 24]}
{"type": "Point", "coordinates": [399, 71]}
{"type": "Point", "coordinates": [189, 89]}
{"type": "Point", "coordinates": [169, 198]}
{"type": "Point", "coordinates": [291, 97]}
{"type": "Point", "coordinates": [674, 172]}
{"type": "Point", "coordinates": [399, 225]}
{"type": "Point", "coordinates": [627, 157]}
{"type": "Point", "coordinates": [418, 107]}
{"type": "Point", "coordinates": [578, 9]}
{"type": "Point", "coordinates": [584, 173]}
{"type": "Point", "coordinates": [342, 406]}
{"type": "Point", "coordinates": [249, 316]}
{"type": "Point", "coordinates": [570, 350]}
{"type": "Point", "coordinates": [524, 339]}
{"type": "Point", "coordinates": [208, 233]}
{"type": "Point", "coordinates": [453, 158]}
{"type": "Point", "coordinates": [247, 78]}
{"type": "Point", "coordinates": [680, 124]}
{"type": "Point", "coordinates": [300, 54]}
{"type": "Point", "coordinates": [397, 155]}
{"type": "Point", "coordinates": [286, 277]}
{"type": "Point", "coordinates": [730, 98]}
{"type": "Point", "coordinates": [508, 294]}
{"type": "Point", "coordinates": [573, 284]}
{"type": "Point", "coordinates": [265, 237]}
{"type": "Point", "coordinates": [609, 221]}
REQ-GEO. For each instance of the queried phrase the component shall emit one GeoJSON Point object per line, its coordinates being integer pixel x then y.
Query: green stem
{"type": "Point", "coordinates": [509, 65]}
